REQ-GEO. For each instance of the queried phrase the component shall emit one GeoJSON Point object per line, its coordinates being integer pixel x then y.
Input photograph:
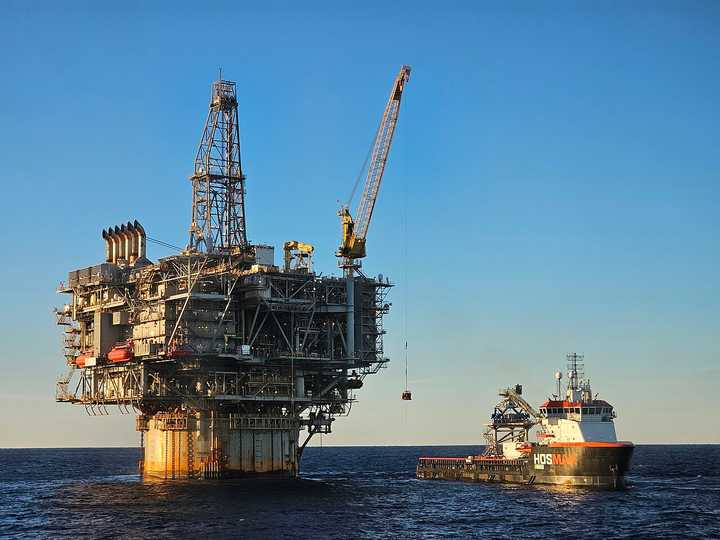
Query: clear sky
{"type": "Point", "coordinates": [556, 164]}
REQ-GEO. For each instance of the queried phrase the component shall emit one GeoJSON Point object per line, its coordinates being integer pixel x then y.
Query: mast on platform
{"type": "Point", "coordinates": [218, 203]}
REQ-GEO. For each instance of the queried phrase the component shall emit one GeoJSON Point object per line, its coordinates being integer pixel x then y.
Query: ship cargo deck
{"type": "Point", "coordinates": [475, 469]}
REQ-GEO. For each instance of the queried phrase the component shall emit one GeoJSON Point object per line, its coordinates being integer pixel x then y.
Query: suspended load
{"type": "Point", "coordinates": [407, 394]}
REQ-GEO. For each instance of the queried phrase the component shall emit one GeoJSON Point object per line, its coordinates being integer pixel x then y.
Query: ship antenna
{"type": "Point", "coordinates": [575, 370]}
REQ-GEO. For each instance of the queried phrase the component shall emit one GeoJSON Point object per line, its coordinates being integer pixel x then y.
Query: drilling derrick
{"type": "Point", "coordinates": [218, 208]}
{"type": "Point", "coordinates": [230, 362]}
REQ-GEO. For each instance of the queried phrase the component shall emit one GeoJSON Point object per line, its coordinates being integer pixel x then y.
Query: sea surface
{"type": "Point", "coordinates": [350, 492]}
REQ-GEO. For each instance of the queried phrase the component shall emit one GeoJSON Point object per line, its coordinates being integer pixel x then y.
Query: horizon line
{"type": "Point", "coordinates": [336, 446]}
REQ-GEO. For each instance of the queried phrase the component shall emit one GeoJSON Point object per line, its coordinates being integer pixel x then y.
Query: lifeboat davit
{"type": "Point", "coordinates": [120, 353]}
{"type": "Point", "coordinates": [180, 351]}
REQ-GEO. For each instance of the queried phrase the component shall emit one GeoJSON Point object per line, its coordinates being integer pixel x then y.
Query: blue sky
{"type": "Point", "coordinates": [555, 167]}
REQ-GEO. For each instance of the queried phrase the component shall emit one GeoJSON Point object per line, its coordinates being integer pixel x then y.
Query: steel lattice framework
{"type": "Point", "coordinates": [218, 207]}
{"type": "Point", "coordinates": [224, 355]}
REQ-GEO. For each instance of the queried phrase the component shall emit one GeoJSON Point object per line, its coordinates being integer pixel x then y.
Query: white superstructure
{"type": "Point", "coordinates": [578, 417]}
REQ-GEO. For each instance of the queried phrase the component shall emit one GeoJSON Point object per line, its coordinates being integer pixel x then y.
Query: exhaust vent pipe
{"type": "Point", "coordinates": [141, 240]}
{"type": "Point", "coordinates": [125, 244]}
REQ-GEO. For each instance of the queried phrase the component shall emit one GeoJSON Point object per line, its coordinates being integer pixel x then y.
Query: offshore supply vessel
{"type": "Point", "coordinates": [576, 441]}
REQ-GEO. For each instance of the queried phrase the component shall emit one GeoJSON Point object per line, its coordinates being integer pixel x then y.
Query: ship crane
{"type": "Point", "coordinates": [514, 396]}
{"type": "Point", "coordinates": [355, 229]}
{"type": "Point", "coordinates": [512, 420]}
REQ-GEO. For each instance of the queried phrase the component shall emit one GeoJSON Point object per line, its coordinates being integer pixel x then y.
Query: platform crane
{"type": "Point", "coordinates": [299, 252]}
{"type": "Point", "coordinates": [354, 230]}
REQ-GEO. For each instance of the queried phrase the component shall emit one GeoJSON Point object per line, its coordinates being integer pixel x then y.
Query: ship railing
{"type": "Point", "coordinates": [261, 422]}
{"type": "Point", "coordinates": [456, 463]}
{"type": "Point", "coordinates": [171, 421]}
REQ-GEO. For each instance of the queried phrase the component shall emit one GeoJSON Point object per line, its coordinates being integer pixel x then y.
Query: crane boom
{"type": "Point", "coordinates": [513, 396]}
{"type": "Point", "coordinates": [354, 232]}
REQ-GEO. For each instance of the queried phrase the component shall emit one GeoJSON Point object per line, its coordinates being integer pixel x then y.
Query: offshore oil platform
{"type": "Point", "coordinates": [231, 362]}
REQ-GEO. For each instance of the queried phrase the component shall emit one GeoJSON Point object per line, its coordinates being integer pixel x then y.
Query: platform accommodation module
{"type": "Point", "coordinates": [230, 362]}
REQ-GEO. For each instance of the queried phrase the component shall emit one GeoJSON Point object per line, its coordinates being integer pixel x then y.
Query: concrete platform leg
{"type": "Point", "coordinates": [202, 445]}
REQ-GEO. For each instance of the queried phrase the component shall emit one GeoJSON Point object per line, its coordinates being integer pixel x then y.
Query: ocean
{"type": "Point", "coordinates": [351, 492]}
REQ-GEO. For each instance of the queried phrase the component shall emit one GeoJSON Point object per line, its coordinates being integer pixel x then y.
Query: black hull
{"type": "Point", "coordinates": [599, 466]}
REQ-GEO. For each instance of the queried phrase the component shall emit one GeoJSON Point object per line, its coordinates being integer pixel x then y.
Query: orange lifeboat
{"type": "Point", "coordinates": [120, 353]}
{"type": "Point", "coordinates": [80, 360]}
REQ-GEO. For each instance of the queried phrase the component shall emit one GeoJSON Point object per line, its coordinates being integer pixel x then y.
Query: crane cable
{"type": "Point", "coordinates": [164, 244]}
{"type": "Point", "coordinates": [405, 278]}
{"type": "Point", "coordinates": [406, 282]}
{"type": "Point", "coordinates": [406, 367]}
{"type": "Point", "coordinates": [405, 261]}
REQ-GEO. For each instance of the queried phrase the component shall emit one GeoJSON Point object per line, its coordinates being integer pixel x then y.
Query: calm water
{"type": "Point", "coordinates": [350, 493]}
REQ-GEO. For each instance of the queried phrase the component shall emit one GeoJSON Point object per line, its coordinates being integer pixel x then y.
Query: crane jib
{"type": "Point", "coordinates": [355, 230]}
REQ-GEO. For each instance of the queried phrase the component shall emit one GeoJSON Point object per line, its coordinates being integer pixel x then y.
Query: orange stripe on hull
{"type": "Point", "coordinates": [590, 444]}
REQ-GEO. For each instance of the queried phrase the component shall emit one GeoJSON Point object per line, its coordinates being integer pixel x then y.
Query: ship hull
{"type": "Point", "coordinates": [599, 465]}
{"type": "Point", "coordinates": [582, 464]}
